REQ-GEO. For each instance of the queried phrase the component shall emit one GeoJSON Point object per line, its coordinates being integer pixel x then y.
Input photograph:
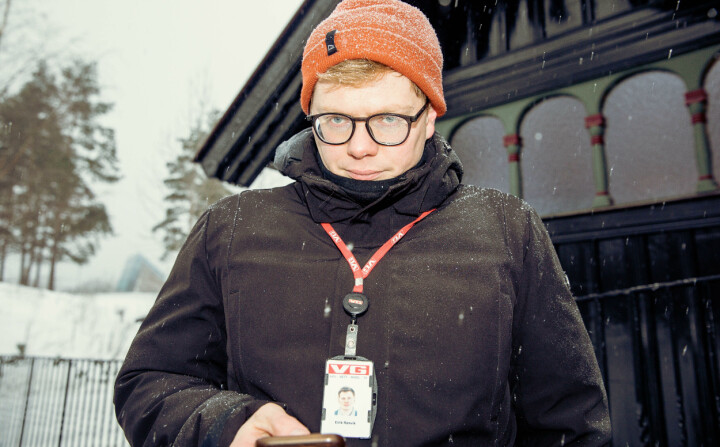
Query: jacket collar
{"type": "Point", "coordinates": [419, 189]}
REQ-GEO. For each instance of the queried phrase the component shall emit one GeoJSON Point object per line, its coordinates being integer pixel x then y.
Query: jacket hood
{"type": "Point", "coordinates": [419, 189]}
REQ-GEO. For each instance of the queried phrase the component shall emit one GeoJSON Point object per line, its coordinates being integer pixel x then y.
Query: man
{"type": "Point", "coordinates": [346, 402]}
{"type": "Point", "coordinates": [471, 336]}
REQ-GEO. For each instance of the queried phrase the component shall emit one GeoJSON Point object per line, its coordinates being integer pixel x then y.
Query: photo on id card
{"type": "Point", "coordinates": [349, 398]}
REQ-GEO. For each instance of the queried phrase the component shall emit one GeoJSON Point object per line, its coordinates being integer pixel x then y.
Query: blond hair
{"type": "Point", "coordinates": [358, 72]}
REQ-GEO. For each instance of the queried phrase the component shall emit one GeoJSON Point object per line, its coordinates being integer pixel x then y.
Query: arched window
{"type": "Point", "coordinates": [712, 87]}
{"type": "Point", "coordinates": [649, 142]}
{"type": "Point", "coordinates": [479, 144]}
{"type": "Point", "coordinates": [556, 157]}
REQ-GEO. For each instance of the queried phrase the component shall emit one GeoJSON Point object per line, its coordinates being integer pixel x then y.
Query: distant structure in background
{"type": "Point", "coordinates": [605, 117]}
{"type": "Point", "coordinates": [139, 275]}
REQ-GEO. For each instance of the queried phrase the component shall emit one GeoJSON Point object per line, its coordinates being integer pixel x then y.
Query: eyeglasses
{"type": "Point", "coordinates": [387, 129]}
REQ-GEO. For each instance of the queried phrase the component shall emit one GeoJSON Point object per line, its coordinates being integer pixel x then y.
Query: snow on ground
{"type": "Point", "coordinates": [58, 324]}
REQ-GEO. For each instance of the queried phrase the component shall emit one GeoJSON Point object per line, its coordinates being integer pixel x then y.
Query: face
{"type": "Point", "coordinates": [346, 400]}
{"type": "Point", "coordinates": [361, 158]}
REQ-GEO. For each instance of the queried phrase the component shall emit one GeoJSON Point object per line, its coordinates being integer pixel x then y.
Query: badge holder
{"type": "Point", "coordinates": [350, 393]}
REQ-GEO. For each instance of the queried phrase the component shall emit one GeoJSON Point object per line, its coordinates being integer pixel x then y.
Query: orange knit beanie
{"type": "Point", "coordinates": [391, 32]}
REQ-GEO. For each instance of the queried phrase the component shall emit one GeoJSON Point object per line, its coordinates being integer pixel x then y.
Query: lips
{"type": "Point", "coordinates": [363, 174]}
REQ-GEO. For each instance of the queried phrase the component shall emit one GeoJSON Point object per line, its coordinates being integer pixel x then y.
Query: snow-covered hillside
{"type": "Point", "coordinates": [57, 324]}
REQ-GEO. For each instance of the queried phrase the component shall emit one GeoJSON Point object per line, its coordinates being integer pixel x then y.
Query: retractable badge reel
{"type": "Point", "coordinates": [355, 304]}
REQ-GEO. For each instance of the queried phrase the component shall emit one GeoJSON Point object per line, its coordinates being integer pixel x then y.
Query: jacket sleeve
{"type": "Point", "coordinates": [556, 383]}
{"type": "Point", "coordinates": [172, 387]}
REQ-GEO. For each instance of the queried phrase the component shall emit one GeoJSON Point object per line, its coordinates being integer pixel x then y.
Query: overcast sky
{"type": "Point", "coordinates": [160, 61]}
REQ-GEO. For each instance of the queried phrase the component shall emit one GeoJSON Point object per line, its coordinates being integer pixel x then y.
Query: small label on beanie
{"type": "Point", "coordinates": [330, 42]}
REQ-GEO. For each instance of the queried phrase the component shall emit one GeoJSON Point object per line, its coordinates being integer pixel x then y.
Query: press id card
{"type": "Point", "coordinates": [349, 397]}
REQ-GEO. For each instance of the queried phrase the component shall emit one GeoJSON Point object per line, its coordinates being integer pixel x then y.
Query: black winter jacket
{"type": "Point", "coordinates": [475, 336]}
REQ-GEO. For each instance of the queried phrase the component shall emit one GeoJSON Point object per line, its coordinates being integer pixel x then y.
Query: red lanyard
{"type": "Point", "coordinates": [363, 273]}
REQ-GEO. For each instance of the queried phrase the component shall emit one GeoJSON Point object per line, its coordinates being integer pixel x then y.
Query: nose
{"type": "Point", "coordinates": [361, 144]}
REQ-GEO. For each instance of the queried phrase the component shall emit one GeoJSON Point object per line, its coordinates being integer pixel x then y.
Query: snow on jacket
{"type": "Point", "coordinates": [475, 336]}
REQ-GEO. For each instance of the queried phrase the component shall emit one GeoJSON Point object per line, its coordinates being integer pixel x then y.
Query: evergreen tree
{"type": "Point", "coordinates": [191, 191]}
{"type": "Point", "coordinates": [51, 147]}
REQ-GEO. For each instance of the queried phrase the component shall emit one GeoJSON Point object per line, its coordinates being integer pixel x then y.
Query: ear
{"type": "Point", "coordinates": [430, 125]}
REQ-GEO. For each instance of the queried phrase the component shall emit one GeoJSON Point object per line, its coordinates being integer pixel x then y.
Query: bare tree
{"type": "Point", "coordinates": [25, 39]}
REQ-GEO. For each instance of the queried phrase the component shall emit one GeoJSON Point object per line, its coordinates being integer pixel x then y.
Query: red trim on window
{"type": "Point", "coordinates": [514, 158]}
{"type": "Point", "coordinates": [512, 139]}
{"type": "Point", "coordinates": [695, 96]}
{"type": "Point", "coordinates": [594, 120]}
{"type": "Point", "coordinates": [699, 118]}
{"type": "Point", "coordinates": [597, 139]}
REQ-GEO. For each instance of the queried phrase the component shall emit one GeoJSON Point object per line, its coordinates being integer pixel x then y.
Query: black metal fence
{"type": "Point", "coordinates": [658, 349]}
{"type": "Point", "coordinates": [647, 280]}
{"type": "Point", "coordinates": [58, 402]}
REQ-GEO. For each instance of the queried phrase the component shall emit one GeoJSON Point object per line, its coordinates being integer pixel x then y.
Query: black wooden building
{"type": "Point", "coordinates": [605, 116]}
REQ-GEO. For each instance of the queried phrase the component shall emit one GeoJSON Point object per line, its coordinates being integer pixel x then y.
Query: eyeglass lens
{"type": "Point", "coordinates": [386, 129]}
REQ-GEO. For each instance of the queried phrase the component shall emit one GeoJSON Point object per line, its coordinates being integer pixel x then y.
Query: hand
{"type": "Point", "coordinates": [268, 420]}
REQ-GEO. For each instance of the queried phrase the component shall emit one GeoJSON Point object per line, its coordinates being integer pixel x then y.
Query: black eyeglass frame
{"type": "Point", "coordinates": [410, 120]}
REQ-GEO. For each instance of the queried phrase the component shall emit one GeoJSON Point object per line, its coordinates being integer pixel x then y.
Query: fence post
{"type": "Point", "coordinates": [27, 401]}
{"type": "Point", "coordinates": [65, 399]}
